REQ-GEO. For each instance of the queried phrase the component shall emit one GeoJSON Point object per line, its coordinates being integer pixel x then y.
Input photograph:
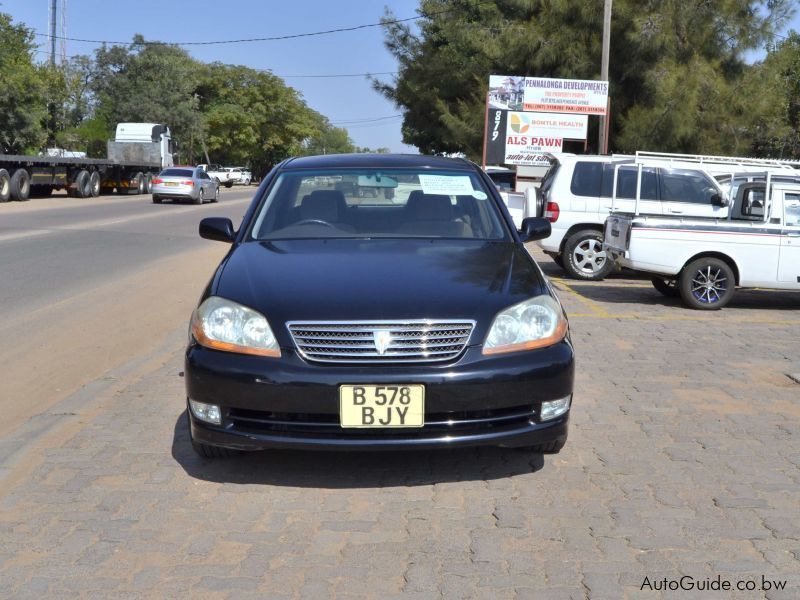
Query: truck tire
{"type": "Point", "coordinates": [584, 258]}
{"type": "Point", "coordinates": [140, 184]}
{"type": "Point", "coordinates": [20, 185]}
{"type": "Point", "coordinates": [94, 184]}
{"type": "Point", "coordinates": [5, 186]}
{"type": "Point", "coordinates": [82, 187]}
{"type": "Point", "coordinates": [148, 183]}
{"type": "Point", "coordinates": [707, 283]}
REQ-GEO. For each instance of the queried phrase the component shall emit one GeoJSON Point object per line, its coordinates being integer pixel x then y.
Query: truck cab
{"type": "Point", "coordinates": [757, 244]}
{"type": "Point", "coordinates": [148, 142]}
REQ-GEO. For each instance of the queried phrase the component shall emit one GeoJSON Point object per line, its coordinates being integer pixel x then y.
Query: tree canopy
{"type": "Point", "coordinates": [234, 114]}
{"type": "Point", "coordinates": [678, 77]}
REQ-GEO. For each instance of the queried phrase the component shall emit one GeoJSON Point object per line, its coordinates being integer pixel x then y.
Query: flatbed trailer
{"type": "Point", "coordinates": [129, 169]}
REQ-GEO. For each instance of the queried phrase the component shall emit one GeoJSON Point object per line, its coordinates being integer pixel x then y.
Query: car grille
{"type": "Point", "coordinates": [465, 422]}
{"type": "Point", "coordinates": [381, 341]}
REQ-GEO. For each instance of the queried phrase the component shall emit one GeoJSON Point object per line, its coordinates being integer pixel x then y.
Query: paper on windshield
{"type": "Point", "coordinates": [449, 185]}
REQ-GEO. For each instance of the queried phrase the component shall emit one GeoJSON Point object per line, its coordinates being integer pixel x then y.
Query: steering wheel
{"type": "Point", "coordinates": [316, 222]}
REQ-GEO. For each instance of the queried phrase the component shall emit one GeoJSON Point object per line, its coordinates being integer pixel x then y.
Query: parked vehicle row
{"type": "Point", "coordinates": [227, 176]}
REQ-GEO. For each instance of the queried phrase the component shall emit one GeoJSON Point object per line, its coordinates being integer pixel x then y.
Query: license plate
{"type": "Point", "coordinates": [170, 183]}
{"type": "Point", "coordinates": [379, 406]}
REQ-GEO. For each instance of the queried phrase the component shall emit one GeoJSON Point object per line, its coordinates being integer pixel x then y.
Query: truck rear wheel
{"type": "Point", "coordinates": [5, 186]}
{"type": "Point", "coordinates": [148, 183]}
{"type": "Point", "coordinates": [82, 187]}
{"type": "Point", "coordinates": [94, 184]}
{"type": "Point", "coordinates": [20, 185]}
{"type": "Point", "coordinates": [140, 184]}
{"type": "Point", "coordinates": [707, 283]}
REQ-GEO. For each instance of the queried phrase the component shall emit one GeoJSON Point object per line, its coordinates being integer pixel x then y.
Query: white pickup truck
{"type": "Point", "coordinates": [219, 174]}
{"type": "Point", "coordinates": [703, 260]}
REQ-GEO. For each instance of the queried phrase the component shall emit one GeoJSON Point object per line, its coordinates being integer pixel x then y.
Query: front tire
{"type": "Point", "coordinates": [584, 257]}
{"type": "Point", "coordinates": [707, 284]}
{"type": "Point", "coordinates": [668, 287]}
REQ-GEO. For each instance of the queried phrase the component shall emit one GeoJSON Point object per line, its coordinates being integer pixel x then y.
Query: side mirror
{"type": "Point", "coordinates": [718, 199]}
{"type": "Point", "coordinates": [534, 228]}
{"type": "Point", "coordinates": [218, 229]}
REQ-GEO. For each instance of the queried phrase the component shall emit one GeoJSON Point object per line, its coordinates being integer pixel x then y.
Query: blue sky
{"type": "Point", "coordinates": [341, 99]}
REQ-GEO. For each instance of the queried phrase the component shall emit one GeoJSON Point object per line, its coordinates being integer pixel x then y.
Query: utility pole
{"type": "Point", "coordinates": [602, 146]}
{"type": "Point", "coordinates": [53, 21]}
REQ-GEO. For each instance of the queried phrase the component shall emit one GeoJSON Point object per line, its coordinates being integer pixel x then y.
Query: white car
{"type": "Point", "coordinates": [704, 260]}
{"type": "Point", "coordinates": [240, 175]}
{"type": "Point", "coordinates": [576, 197]}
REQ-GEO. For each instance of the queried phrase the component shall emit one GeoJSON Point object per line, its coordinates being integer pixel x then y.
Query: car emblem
{"type": "Point", "coordinates": [382, 337]}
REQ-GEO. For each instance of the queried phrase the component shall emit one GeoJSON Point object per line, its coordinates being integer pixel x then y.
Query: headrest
{"type": "Point", "coordinates": [325, 205]}
{"type": "Point", "coordinates": [429, 207]}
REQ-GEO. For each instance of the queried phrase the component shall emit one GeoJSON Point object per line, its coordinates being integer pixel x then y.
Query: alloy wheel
{"type": "Point", "coordinates": [589, 256]}
{"type": "Point", "coordinates": [709, 284]}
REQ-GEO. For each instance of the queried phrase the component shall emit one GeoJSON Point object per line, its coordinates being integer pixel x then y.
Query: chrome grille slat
{"type": "Point", "coordinates": [411, 341]}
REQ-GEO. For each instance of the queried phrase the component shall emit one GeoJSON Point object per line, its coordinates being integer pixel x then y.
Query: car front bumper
{"type": "Point", "coordinates": [290, 403]}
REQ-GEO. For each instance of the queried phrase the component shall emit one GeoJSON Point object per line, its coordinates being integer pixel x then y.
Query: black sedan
{"type": "Point", "coordinates": [376, 302]}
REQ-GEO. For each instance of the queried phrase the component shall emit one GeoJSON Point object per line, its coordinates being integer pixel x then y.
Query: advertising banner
{"type": "Point", "coordinates": [541, 94]}
{"type": "Point", "coordinates": [565, 96]}
{"type": "Point", "coordinates": [569, 127]}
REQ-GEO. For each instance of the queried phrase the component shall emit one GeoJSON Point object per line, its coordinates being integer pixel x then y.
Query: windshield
{"type": "Point", "coordinates": [365, 203]}
{"type": "Point", "coordinates": [176, 173]}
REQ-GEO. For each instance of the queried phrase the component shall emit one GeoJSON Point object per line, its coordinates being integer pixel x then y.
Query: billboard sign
{"type": "Point", "coordinates": [565, 96]}
{"type": "Point", "coordinates": [542, 94]}
{"type": "Point", "coordinates": [569, 127]}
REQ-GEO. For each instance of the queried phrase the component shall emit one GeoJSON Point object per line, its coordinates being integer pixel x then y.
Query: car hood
{"type": "Point", "coordinates": [354, 280]}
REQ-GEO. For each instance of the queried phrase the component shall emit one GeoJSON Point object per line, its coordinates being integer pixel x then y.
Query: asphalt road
{"type": "Point", "coordinates": [90, 285]}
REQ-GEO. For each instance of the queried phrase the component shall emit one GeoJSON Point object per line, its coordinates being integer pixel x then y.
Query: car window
{"type": "Point", "coordinates": [626, 182]}
{"type": "Point", "coordinates": [368, 203]}
{"type": "Point", "coordinates": [686, 186]}
{"type": "Point", "coordinates": [791, 208]}
{"type": "Point", "coordinates": [176, 173]}
{"type": "Point", "coordinates": [586, 179]}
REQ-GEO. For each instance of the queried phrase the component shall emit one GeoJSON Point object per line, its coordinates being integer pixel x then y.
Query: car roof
{"type": "Point", "coordinates": [385, 161]}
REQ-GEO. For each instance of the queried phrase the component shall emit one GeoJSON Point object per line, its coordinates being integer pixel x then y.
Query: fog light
{"type": "Point", "coordinates": [555, 408]}
{"type": "Point", "coordinates": [206, 412]}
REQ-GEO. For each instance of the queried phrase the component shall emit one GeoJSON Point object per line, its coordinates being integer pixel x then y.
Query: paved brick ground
{"type": "Point", "coordinates": [683, 459]}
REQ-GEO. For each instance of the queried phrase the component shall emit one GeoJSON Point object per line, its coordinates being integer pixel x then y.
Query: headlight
{"type": "Point", "coordinates": [225, 325]}
{"type": "Point", "coordinates": [535, 323]}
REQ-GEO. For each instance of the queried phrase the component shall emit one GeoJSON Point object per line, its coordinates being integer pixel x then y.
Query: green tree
{"type": "Point", "coordinates": [23, 106]}
{"type": "Point", "coordinates": [148, 82]}
{"type": "Point", "coordinates": [774, 87]}
{"type": "Point", "coordinates": [252, 118]}
{"type": "Point", "coordinates": [675, 66]}
{"type": "Point", "coordinates": [327, 139]}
